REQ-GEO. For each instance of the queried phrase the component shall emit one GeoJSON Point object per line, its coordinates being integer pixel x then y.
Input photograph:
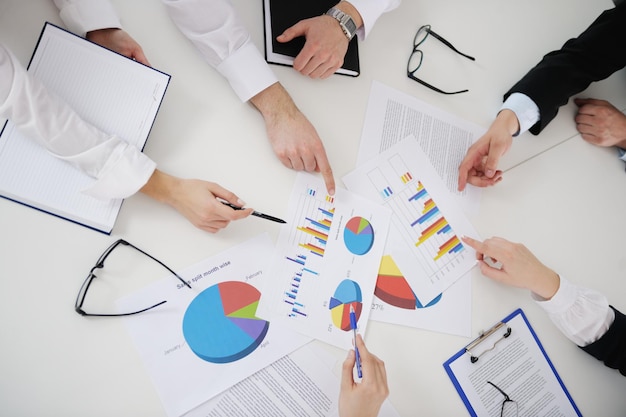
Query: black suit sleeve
{"type": "Point", "coordinates": [594, 55]}
{"type": "Point", "coordinates": [611, 347]}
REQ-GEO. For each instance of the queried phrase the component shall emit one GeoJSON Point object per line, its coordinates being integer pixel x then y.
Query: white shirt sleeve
{"type": "Point", "coordinates": [215, 29]}
{"type": "Point", "coordinates": [525, 109]}
{"type": "Point", "coordinates": [82, 16]}
{"type": "Point", "coordinates": [582, 314]}
{"type": "Point", "coordinates": [370, 11]}
{"type": "Point", "coordinates": [120, 169]}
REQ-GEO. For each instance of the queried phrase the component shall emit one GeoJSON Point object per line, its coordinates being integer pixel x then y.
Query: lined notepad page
{"type": "Point", "coordinates": [110, 91]}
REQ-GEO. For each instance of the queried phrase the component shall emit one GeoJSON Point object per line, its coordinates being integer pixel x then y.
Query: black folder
{"type": "Point", "coordinates": [282, 14]}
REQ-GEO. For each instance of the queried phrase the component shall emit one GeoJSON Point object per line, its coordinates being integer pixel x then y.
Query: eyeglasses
{"type": "Point", "coordinates": [509, 407]}
{"type": "Point", "coordinates": [416, 57]}
{"type": "Point", "coordinates": [80, 299]}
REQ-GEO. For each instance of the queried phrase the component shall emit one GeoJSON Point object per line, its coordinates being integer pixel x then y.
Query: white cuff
{"type": "Point", "coordinates": [581, 314]}
{"type": "Point", "coordinates": [84, 16]}
{"type": "Point", "coordinates": [524, 108]}
{"type": "Point", "coordinates": [247, 72]}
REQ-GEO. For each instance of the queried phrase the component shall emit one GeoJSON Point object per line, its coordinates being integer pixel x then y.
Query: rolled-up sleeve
{"type": "Point", "coordinates": [120, 169]}
{"type": "Point", "coordinates": [217, 32]}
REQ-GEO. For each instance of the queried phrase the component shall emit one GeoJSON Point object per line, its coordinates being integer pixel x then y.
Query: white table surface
{"type": "Point", "coordinates": [561, 197]}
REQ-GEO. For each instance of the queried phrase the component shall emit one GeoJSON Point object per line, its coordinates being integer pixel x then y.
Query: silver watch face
{"type": "Point", "coordinates": [350, 26]}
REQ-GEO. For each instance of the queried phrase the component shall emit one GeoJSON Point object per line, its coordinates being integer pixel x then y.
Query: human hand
{"type": "Point", "coordinates": [294, 139]}
{"type": "Point", "coordinates": [119, 41]}
{"type": "Point", "coordinates": [362, 399]}
{"type": "Point", "coordinates": [325, 47]}
{"type": "Point", "coordinates": [520, 268]}
{"type": "Point", "coordinates": [196, 200]}
{"type": "Point", "coordinates": [600, 123]}
{"type": "Point", "coordinates": [479, 167]}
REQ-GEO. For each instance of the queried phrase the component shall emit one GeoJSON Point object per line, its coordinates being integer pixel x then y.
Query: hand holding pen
{"type": "Point", "coordinates": [362, 399]}
{"type": "Point", "coordinates": [356, 349]}
{"type": "Point", "coordinates": [255, 213]}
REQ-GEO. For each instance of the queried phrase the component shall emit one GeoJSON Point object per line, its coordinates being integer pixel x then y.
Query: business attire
{"type": "Point", "coordinates": [592, 56]}
{"type": "Point", "coordinates": [119, 168]}
{"type": "Point", "coordinates": [585, 317]}
{"type": "Point", "coordinates": [215, 29]}
{"type": "Point", "coordinates": [611, 347]}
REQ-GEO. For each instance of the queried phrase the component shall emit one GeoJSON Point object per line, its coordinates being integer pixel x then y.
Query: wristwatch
{"type": "Point", "coordinates": [345, 22]}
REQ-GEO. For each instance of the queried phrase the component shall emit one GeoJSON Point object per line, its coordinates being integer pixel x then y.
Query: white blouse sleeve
{"type": "Point", "coordinates": [82, 16]}
{"type": "Point", "coordinates": [214, 27]}
{"type": "Point", "coordinates": [582, 314]}
{"type": "Point", "coordinates": [120, 169]}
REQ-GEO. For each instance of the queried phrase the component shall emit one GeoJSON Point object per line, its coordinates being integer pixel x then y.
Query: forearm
{"type": "Point", "coordinates": [161, 187]}
{"type": "Point", "coordinates": [274, 103]}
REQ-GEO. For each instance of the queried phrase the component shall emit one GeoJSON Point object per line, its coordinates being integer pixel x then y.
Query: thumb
{"type": "Point", "coordinates": [581, 101]}
{"type": "Point", "coordinates": [291, 33]}
{"type": "Point", "coordinates": [492, 273]}
{"type": "Point", "coordinates": [493, 158]}
{"type": "Point", "coordinates": [347, 380]}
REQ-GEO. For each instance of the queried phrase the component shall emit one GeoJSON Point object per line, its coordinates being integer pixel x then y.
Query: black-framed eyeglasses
{"type": "Point", "coordinates": [416, 57]}
{"type": "Point", "coordinates": [509, 407]}
{"type": "Point", "coordinates": [82, 293]}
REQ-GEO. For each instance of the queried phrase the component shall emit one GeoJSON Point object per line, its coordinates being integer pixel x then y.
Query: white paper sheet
{"type": "Point", "coordinates": [393, 115]}
{"type": "Point", "coordinates": [326, 260]}
{"type": "Point", "coordinates": [208, 338]}
{"type": "Point", "coordinates": [301, 384]}
{"type": "Point", "coordinates": [516, 364]}
{"type": "Point", "coordinates": [427, 223]}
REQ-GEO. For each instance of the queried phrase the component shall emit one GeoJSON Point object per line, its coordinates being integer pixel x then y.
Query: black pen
{"type": "Point", "coordinates": [255, 213]}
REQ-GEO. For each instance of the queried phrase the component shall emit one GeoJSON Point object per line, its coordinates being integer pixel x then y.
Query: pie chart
{"type": "Point", "coordinates": [348, 293]}
{"type": "Point", "coordinates": [220, 325]}
{"type": "Point", "coordinates": [358, 235]}
{"type": "Point", "coordinates": [392, 287]}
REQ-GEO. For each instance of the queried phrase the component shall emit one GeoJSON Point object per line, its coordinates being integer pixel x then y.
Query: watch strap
{"type": "Point", "coordinates": [345, 22]}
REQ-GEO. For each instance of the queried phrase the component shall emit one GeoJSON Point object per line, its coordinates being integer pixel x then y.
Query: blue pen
{"type": "Point", "coordinates": [356, 350]}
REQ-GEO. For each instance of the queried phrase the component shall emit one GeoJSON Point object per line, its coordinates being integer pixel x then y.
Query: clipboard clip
{"type": "Point", "coordinates": [484, 335]}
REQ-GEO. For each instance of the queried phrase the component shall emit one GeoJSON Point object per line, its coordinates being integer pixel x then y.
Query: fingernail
{"type": "Point", "coordinates": [241, 203]}
{"type": "Point", "coordinates": [489, 173]}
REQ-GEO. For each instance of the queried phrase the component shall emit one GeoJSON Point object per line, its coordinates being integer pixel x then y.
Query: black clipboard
{"type": "Point", "coordinates": [500, 345]}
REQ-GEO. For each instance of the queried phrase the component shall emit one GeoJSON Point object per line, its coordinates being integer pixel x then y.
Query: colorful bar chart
{"type": "Point", "coordinates": [380, 183]}
{"type": "Point", "coordinates": [311, 236]}
{"type": "Point", "coordinates": [417, 217]}
{"type": "Point", "coordinates": [432, 223]}
{"type": "Point", "coordinates": [318, 229]}
{"type": "Point", "coordinates": [400, 169]}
